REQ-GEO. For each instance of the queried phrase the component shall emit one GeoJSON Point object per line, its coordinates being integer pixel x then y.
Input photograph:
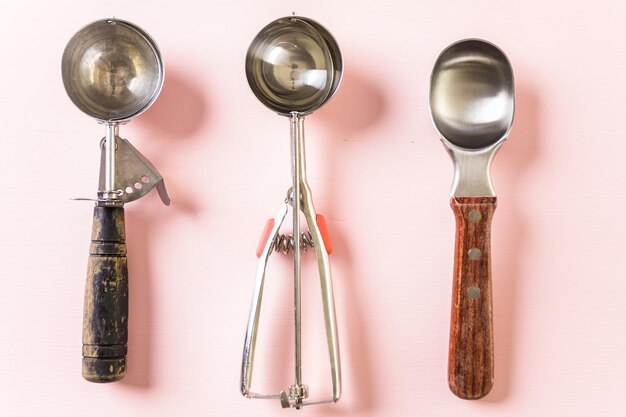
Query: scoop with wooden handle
{"type": "Point", "coordinates": [472, 102]}
{"type": "Point", "coordinates": [112, 71]}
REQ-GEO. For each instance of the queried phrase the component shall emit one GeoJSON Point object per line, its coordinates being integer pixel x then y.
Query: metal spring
{"type": "Point", "coordinates": [285, 243]}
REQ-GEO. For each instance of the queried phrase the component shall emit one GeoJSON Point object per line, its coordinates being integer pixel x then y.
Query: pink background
{"type": "Point", "coordinates": [379, 174]}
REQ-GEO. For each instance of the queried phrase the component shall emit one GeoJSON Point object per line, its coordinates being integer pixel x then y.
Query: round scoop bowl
{"type": "Point", "coordinates": [472, 96]}
{"type": "Point", "coordinates": [294, 65]}
{"type": "Point", "coordinates": [112, 70]}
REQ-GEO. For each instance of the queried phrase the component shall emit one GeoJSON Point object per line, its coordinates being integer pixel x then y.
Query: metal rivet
{"type": "Point", "coordinates": [474, 216]}
{"type": "Point", "coordinates": [474, 254]}
{"type": "Point", "coordinates": [473, 292]}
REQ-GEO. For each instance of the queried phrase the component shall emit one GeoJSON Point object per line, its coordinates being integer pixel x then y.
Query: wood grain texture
{"type": "Point", "coordinates": [470, 356]}
{"type": "Point", "coordinates": [105, 316]}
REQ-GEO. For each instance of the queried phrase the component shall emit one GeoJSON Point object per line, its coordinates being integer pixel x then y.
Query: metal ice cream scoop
{"type": "Point", "coordinates": [112, 71]}
{"type": "Point", "coordinates": [294, 66]}
{"type": "Point", "coordinates": [472, 101]}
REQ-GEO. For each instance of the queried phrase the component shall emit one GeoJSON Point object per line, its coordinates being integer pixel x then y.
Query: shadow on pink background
{"type": "Point", "coordinates": [177, 115]}
{"type": "Point", "coordinates": [180, 111]}
{"type": "Point", "coordinates": [139, 233]}
{"type": "Point", "coordinates": [516, 155]}
{"type": "Point", "coordinates": [358, 106]}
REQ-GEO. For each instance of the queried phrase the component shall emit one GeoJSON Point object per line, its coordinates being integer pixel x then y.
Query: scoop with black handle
{"type": "Point", "coordinates": [112, 71]}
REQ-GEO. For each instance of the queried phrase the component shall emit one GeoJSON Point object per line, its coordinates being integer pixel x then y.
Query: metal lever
{"type": "Point", "coordinates": [134, 175]}
{"type": "Point", "coordinates": [296, 394]}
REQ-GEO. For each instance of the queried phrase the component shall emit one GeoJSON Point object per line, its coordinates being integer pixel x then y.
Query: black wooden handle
{"type": "Point", "coordinates": [105, 316]}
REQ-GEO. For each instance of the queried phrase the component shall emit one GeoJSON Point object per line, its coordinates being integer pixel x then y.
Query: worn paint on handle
{"type": "Point", "coordinates": [105, 317]}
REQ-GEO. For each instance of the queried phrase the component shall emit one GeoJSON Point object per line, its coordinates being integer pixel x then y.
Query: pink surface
{"type": "Point", "coordinates": [379, 175]}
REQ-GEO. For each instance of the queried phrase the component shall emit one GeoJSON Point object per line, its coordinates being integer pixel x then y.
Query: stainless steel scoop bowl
{"type": "Point", "coordinates": [294, 65]}
{"type": "Point", "coordinates": [112, 70]}
{"type": "Point", "coordinates": [472, 94]}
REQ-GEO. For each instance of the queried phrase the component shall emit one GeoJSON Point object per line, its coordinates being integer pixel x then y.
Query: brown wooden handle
{"type": "Point", "coordinates": [470, 357]}
{"type": "Point", "coordinates": [105, 316]}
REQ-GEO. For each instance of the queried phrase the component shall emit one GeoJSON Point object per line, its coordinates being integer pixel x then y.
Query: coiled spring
{"type": "Point", "coordinates": [284, 243]}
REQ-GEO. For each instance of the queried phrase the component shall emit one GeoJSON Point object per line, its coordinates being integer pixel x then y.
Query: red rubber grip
{"type": "Point", "coordinates": [321, 223]}
{"type": "Point", "coordinates": [269, 225]}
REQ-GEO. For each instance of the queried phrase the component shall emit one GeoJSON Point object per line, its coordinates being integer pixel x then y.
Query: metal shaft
{"type": "Point", "coordinates": [297, 139]}
{"type": "Point", "coordinates": [112, 130]}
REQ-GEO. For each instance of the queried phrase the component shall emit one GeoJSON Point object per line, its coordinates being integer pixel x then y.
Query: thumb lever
{"type": "Point", "coordinates": [135, 176]}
